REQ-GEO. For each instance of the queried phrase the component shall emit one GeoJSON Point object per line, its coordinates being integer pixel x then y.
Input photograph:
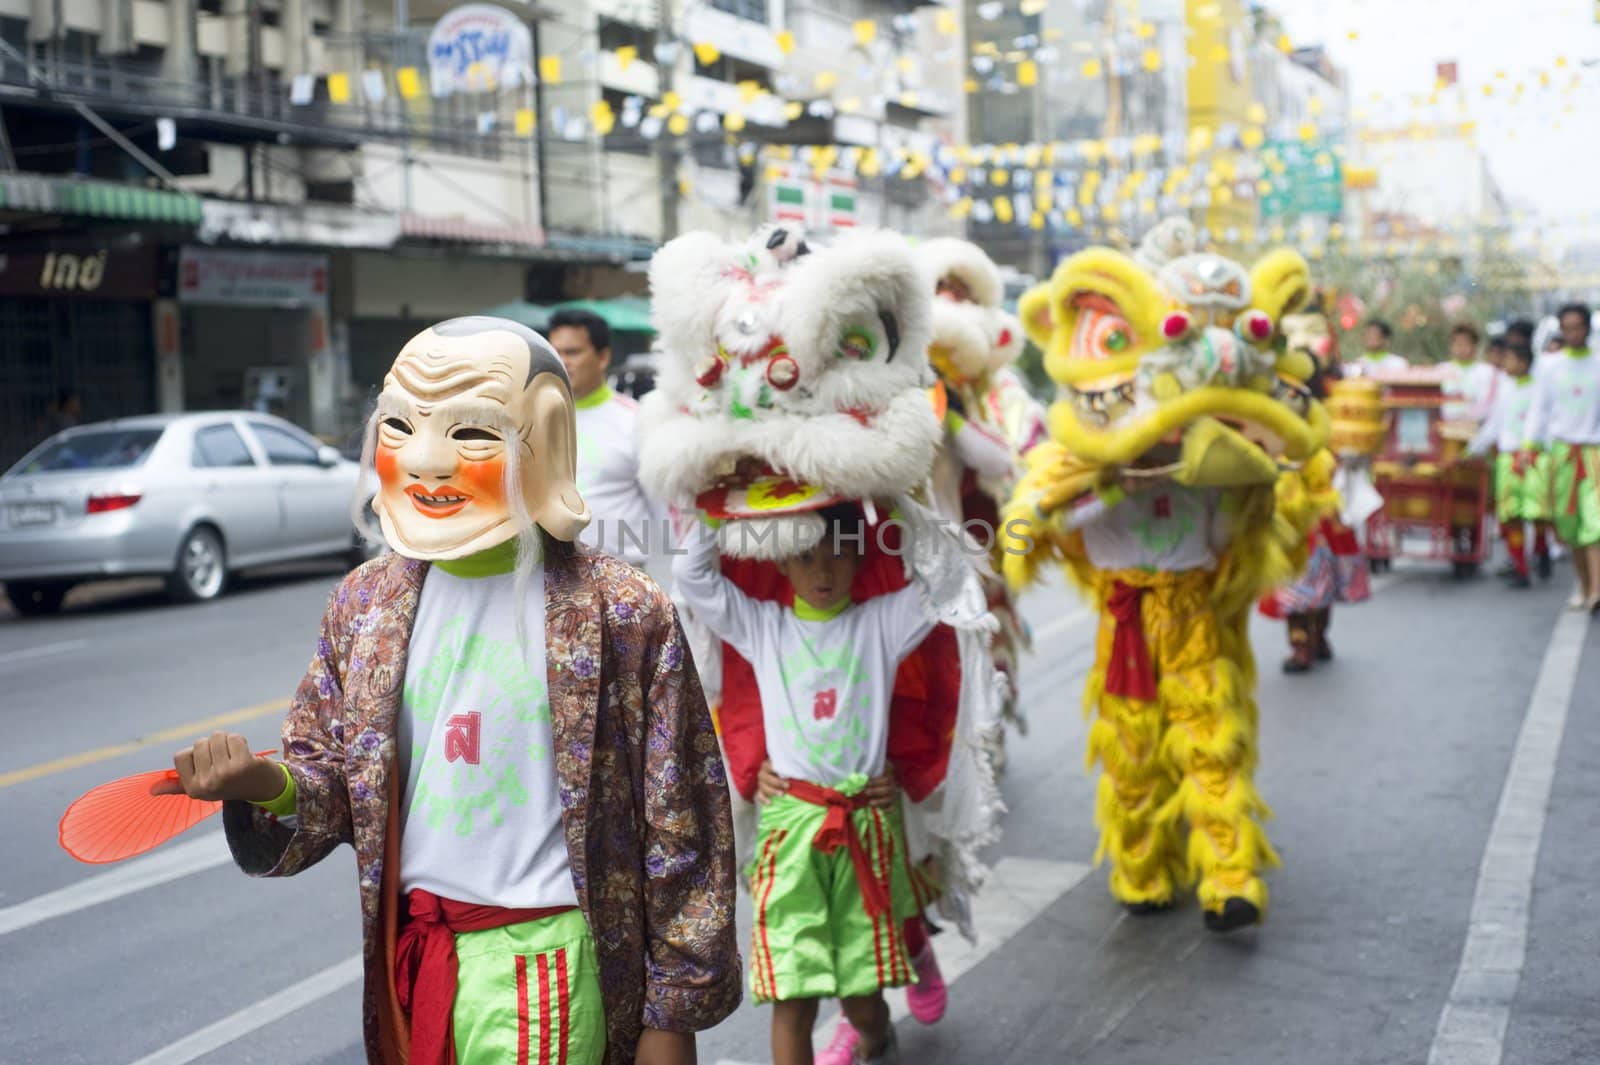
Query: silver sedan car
{"type": "Point", "coordinates": [190, 497]}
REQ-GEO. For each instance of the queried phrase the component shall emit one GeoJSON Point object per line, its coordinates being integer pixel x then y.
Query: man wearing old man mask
{"type": "Point", "coordinates": [483, 707]}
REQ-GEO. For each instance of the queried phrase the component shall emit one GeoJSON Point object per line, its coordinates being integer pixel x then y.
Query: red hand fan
{"type": "Point", "coordinates": [130, 816]}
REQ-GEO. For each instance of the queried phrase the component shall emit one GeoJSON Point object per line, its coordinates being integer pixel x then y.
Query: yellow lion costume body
{"type": "Point", "coordinates": [1158, 492]}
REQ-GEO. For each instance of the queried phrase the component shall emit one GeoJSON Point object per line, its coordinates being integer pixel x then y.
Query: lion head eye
{"type": "Point", "coordinates": [858, 344]}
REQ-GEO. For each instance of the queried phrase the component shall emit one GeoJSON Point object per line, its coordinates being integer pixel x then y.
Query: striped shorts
{"type": "Point", "coordinates": [529, 994]}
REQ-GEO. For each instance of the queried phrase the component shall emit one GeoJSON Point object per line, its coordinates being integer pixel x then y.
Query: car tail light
{"type": "Point", "coordinates": [104, 501]}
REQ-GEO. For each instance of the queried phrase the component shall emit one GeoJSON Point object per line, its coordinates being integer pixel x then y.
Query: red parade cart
{"type": "Point", "coordinates": [1436, 500]}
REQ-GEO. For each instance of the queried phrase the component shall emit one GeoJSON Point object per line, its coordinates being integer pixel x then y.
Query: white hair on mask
{"type": "Point", "coordinates": [362, 514]}
{"type": "Point", "coordinates": [530, 541]}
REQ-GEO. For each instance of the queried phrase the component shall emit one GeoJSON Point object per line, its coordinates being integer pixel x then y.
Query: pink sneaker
{"type": "Point", "coordinates": [841, 1049]}
{"type": "Point", "coordinates": [927, 998]}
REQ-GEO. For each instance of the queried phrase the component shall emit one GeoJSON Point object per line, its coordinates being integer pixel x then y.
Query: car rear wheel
{"type": "Point", "coordinates": [201, 569]}
{"type": "Point", "coordinates": [36, 598]}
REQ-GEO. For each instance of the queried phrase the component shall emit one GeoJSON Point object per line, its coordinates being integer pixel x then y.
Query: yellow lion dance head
{"type": "Point", "coordinates": [1170, 364]}
{"type": "Point", "coordinates": [1167, 364]}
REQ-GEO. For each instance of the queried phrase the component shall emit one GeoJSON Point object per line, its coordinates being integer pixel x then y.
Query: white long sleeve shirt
{"type": "Point", "coordinates": [1506, 426]}
{"type": "Point", "coordinates": [1470, 391]}
{"type": "Point", "coordinates": [1379, 362]}
{"type": "Point", "coordinates": [825, 681]}
{"type": "Point", "coordinates": [627, 522]}
{"type": "Point", "coordinates": [1566, 400]}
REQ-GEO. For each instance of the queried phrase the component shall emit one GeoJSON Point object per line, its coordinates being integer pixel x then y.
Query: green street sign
{"type": "Point", "coordinates": [1311, 180]}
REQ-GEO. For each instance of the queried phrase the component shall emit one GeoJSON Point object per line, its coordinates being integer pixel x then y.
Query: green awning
{"type": "Point", "coordinates": [624, 314]}
{"type": "Point", "coordinates": [98, 199]}
{"type": "Point", "coordinates": [533, 315]}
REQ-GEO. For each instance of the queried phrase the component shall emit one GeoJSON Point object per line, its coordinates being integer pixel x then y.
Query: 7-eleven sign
{"type": "Point", "coordinates": [788, 201]}
{"type": "Point", "coordinates": [797, 195]}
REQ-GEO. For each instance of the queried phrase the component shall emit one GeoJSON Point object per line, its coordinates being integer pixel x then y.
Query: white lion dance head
{"type": "Point", "coordinates": [973, 335]}
{"type": "Point", "coordinates": [793, 377]}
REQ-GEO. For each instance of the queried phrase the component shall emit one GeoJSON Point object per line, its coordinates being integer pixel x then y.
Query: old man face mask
{"type": "Point", "coordinates": [474, 441]}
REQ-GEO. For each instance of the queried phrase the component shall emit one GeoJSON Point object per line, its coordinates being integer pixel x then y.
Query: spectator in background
{"type": "Point", "coordinates": [1472, 387]}
{"type": "Point", "coordinates": [627, 523]}
{"type": "Point", "coordinates": [1377, 357]}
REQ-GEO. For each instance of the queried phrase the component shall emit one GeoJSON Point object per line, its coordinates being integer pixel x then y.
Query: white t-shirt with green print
{"type": "Point", "coordinates": [482, 816]}
{"type": "Point", "coordinates": [825, 681]}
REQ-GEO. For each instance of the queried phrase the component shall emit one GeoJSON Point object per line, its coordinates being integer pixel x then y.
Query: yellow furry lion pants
{"type": "Point", "coordinates": [1187, 755]}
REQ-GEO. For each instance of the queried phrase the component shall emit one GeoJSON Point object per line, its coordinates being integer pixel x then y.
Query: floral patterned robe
{"type": "Point", "coordinates": [644, 795]}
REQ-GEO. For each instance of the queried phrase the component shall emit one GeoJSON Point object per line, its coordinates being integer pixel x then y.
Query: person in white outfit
{"type": "Point", "coordinates": [627, 522]}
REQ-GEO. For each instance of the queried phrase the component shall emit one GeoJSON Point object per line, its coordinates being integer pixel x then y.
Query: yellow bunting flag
{"type": "Point", "coordinates": [793, 110]}
{"type": "Point", "coordinates": [1145, 30]}
{"type": "Point", "coordinates": [870, 165]}
{"type": "Point", "coordinates": [908, 99]}
{"type": "Point", "coordinates": [749, 90]}
{"type": "Point", "coordinates": [1000, 177]}
{"type": "Point", "coordinates": [1036, 221]}
{"type": "Point", "coordinates": [961, 208]}
{"type": "Point", "coordinates": [525, 122]}
{"type": "Point", "coordinates": [1033, 7]}
{"type": "Point", "coordinates": [626, 55]}
{"type": "Point", "coordinates": [550, 69]}
{"type": "Point", "coordinates": [602, 117]}
{"type": "Point", "coordinates": [825, 80]}
{"type": "Point", "coordinates": [1150, 60]}
{"type": "Point", "coordinates": [969, 86]}
{"type": "Point", "coordinates": [1003, 211]}
{"type": "Point", "coordinates": [944, 23]}
{"type": "Point", "coordinates": [850, 105]}
{"type": "Point", "coordinates": [678, 124]}
{"type": "Point", "coordinates": [706, 53]}
{"type": "Point", "coordinates": [733, 122]}
{"type": "Point", "coordinates": [1091, 68]}
{"type": "Point", "coordinates": [1252, 137]}
{"type": "Point", "coordinates": [786, 41]}
{"type": "Point", "coordinates": [1285, 45]}
{"type": "Point", "coordinates": [866, 31]}
{"type": "Point", "coordinates": [1308, 132]}
{"type": "Point", "coordinates": [1256, 114]}
{"type": "Point", "coordinates": [1027, 73]}
{"type": "Point", "coordinates": [339, 88]}
{"type": "Point", "coordinates": [409, 79]}
{"type": "Point", "coordinates": [1074, 216]}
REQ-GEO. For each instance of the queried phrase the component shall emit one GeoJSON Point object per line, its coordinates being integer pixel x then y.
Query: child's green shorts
{"type": "Point", "coordinates": [812, 936]}
{"type": "Point", "coordinates": [529, 994]}
{"type": "Point", "coordinates": [1521, 496]}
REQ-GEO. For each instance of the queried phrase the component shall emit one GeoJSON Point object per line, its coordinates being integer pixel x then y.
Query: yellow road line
{"type": "Point", "coordinates": [177, 733]}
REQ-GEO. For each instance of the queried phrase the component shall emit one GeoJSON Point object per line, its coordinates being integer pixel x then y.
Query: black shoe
{"type": "Point", "coordinates": [1519, 581]}
{"type": "Point", "coordinates": [1236, 913]}
{"type": "Point", "coordinates": [1147, 909]}
{"type": "Point", "coordinates": [1297, 663]}
{"type": "Point", "coordinates": [1545, 567]}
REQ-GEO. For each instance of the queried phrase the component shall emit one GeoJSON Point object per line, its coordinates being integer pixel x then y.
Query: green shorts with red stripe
{"type": "Point", "coordinates": [529, 994]}
{"type": "Point", "coordinates": [812, 936]}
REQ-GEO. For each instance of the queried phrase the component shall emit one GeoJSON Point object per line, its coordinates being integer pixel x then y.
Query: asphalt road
{"type": "Point", "coordinates": [1385, 769]}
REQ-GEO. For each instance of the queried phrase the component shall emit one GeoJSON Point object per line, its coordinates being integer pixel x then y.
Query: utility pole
{"type": "Point", "coordinates": [670, 152]}
{"type": "Point", "coordinates": [402, 26]}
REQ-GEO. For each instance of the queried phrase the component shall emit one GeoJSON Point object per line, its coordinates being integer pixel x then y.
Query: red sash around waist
{"type": "Point", "coordinates": [839, 830]}
{"type": "Point", "coordinates": [425, 965]}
